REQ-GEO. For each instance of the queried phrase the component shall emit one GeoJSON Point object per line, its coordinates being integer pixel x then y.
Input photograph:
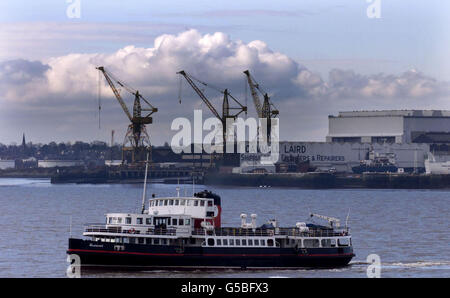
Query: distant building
{"type": "Point", "coordinates": [26, 163]}
{"type": "Point", "coordinates": [394, 126]}
{"type": "Point", "coordinates": [342, 157]}
{"type": "Point", "coordinates": [7, 164]}
{"type": "Point", "coordinates": [113, 163]}
{"type": "Point", "coordinates": [59, 163]}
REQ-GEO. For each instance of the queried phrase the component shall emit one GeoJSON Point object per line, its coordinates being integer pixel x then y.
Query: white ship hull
{"type": "Point", "coordinates": [436, 167]}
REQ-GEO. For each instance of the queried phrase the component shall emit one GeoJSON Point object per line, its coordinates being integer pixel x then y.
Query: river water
{"type": "Point", "coordinates": [407, 229]}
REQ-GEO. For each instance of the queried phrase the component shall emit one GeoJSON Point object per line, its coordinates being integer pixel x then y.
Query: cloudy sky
{"type": "Point", "coordinates": [315, 58]}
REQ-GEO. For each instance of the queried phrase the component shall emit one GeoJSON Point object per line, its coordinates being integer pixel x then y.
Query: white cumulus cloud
{"type": "Point", "coordinates": [72, 80]}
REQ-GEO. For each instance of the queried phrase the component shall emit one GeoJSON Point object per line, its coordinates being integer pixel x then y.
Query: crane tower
{"type": "Point", "coordinates": [137, 141]}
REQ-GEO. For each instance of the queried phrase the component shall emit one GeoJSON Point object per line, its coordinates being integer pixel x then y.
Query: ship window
{"type": "Point", "coordinates": [141, 240]}
{"type": "Point", "coordinates": [110, 219]}
{"type": "Point", "coordinates": [174, 222]}
{"type": "Point", "coordinates": [164, 241]}
{"type": "Point", "coordinates": [188, 222]}
{"type": "Point", "coordinates": [132, 240]}
{"type": "Point", "coordinates": [231, 242]}
{"type": "Point", "coordinates": [270, 242]}
{"type": "Point", "coordinates": [225, 241]}
{"type": "Point", "coordinates": [256, 242]}
{"type": "Point", "coordinates": [128, 220]}
{"type": "Point", "coordinates": [170, 202]}
{"type": "Point", "coordinates": [210, 213]}
{"type": "Point", "coordinates": [177, 202]}
{"type": "Point", "coordinates": [126, 240]}
{"type": "Point", "coordinates": [119, 220]}
{"type": "Point", "coordinates": [188, 202]}
{"type": "Point", "coordinates": [238, 242]}
{"type": "Point", "coordinates": [202, 203]}
{"type": "Point", "coordinates": [326, 242]}
{"type": "Point", "coordinates": [244, 242]}
{"type": "Point", "coordinates": [183, 202]}
{"type": "Point", "coordinates": [139, 221]}
{"type": "Point", "coordinates": [161, 202]}
{"type": "Point", "coordinates": [263, 242]}
{"type": "Point", "coordinates": [219, 241]}
{"type": "Point", "coordinates": [333, 242]}
{"type": "Point", "coordinates": [155, 241]}
{"type": "Point", "coordinates": [148, 221]}
{"type": "Point", "coordinates": [152, 203]}
{"type": "Point", "coordinates": [165, 202]}
{"type": "Point", "coordinates": [210, 203]}
{"type": "Point", "coordinates": [192, 240]}
{"type": "Point", "coordinates": [181, 222]}
{"type": "Point", "coordinates": [211, 242]}
{"type": "Point", "coordinates": [250, 242]}
{"type": "Point", "coordinates": [343, 242]}
{"type": "Point", "coordinates": [311, 242]}
{"type": "Point", "coordinates": [195, 202]}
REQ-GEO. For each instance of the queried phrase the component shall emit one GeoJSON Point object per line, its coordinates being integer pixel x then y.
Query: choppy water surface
{"type": "Point", "coordinates": [408, 229]}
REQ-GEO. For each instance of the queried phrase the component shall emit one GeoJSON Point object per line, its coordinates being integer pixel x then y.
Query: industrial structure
{"type": "Point", "coordinates": [265, 111]}
{"type": "Point", "coordinates": [137, 140]}
{"type": "Point", "coordinates": [226, 108]}
{"type": "Point", "coordinates": [393, 126]}
{"type": "Point", "coordinates": [407, 137]}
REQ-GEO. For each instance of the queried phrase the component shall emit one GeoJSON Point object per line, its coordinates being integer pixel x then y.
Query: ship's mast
{"type": "Point", "coordinates": [145, 185]}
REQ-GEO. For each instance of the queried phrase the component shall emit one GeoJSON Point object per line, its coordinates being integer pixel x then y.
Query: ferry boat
{"type": "Point", "coordinates": [185, 232]}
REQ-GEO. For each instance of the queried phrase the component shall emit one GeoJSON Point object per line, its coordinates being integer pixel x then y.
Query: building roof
{"type": "Point", "coordinates": [404, 113]}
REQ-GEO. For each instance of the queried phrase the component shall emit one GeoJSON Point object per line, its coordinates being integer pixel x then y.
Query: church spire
{"type": "Point", "coordinates": [24, 145]}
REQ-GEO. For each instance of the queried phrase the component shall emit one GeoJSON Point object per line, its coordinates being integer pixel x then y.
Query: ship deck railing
{"type": "Point", "coordinates": [225, 231]}
{"type": "Point", "coordinates": [259, 232]}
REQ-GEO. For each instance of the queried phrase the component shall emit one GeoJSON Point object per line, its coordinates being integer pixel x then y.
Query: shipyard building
{"type": "Point", "coordinates": [404, 138]}
{"type": "Point", "coordinates": [405, 126]}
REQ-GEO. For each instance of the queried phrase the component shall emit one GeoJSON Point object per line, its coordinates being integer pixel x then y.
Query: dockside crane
{"type": "Point", "coordinates": [267, 110]}
{"type": "Point", "coordinates": [226, 108]}
{"type": "Point", "coordinates": [137, 140]}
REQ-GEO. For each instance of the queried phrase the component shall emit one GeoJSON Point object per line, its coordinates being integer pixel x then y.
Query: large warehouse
{"type": "Point", "coordinates": [395, 126]}
{"type": "Point", "coordinates": [339, 156]}
{"type": "Point", "coordinates": [344, 156]}
{"type": "Point", "coordinates": [404, 136]}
